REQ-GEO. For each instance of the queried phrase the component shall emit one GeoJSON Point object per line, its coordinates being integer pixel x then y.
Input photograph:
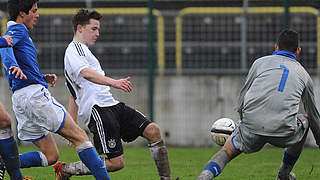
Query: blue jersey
{"type": "Point", "coordinates": [3, 42]}
{"type": "Point", "coordinates": [22, 54]}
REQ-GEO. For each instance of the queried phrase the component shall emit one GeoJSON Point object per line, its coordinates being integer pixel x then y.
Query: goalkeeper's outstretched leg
{"type": "Point", "coordinates": [217, 163]}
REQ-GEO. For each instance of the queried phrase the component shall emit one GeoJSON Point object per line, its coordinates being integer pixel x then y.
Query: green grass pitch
{"type": "Point", "coordinates": [187, 163]}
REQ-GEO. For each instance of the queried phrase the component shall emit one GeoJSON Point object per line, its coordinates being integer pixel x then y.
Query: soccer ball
{"type": "Point", "coordinates": [221, 129]}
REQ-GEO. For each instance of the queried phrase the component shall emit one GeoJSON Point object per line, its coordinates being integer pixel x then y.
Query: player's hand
{"type": "Point", "coordinates": [18, 72]}
{"type": "Point", "coordinates": [123, 84]}
{"type": "Point", "coordinates": [51, 79]}
{"type": "Point", "coordinates": [9, 40]}
{"type": "Point", "coordinates": [70, 144]}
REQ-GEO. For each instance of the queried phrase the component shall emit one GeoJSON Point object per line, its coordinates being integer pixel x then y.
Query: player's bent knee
{"type": "Point", "coordinates": [115, 164]}
{"type": "Point", "coordinates": [152, 132]}
{"type": "Point", "coordinates": [118, 166]}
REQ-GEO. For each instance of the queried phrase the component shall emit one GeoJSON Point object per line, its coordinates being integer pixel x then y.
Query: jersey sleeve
{"type": "Point", "coordinates": [250, 78]}
{"type": "Point", "coordinates": [8, 58]}
{"type": "Point", "coordinates": [3, 42]}
{"type": "Point", "coordinates": [75, 59]}
{"type": "Point", "coordinates": [311, 110]}
{"type": "Point", "coordinates": [17, 33]}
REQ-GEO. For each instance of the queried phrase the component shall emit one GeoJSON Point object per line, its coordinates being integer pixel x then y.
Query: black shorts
{"type": "Point", "coordinates": [111, 124]}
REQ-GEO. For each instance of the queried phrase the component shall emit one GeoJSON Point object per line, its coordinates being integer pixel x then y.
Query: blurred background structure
{"type": "Point", "coordinates": [200, 52]}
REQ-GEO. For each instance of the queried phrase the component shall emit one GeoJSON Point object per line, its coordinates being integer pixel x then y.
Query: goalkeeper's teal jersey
{"type": "Point", "coordinates": [269, 100]}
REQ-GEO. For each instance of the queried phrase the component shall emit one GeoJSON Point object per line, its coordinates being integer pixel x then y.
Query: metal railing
{"type": "Point", "coordinates": [212, 46]}
{"type": "Point", "coordinates": [53, 43]}
{"type": "Point", "coordinates": [234, 12]}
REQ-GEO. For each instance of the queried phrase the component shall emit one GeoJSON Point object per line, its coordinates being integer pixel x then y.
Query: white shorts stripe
{"type": "Point", "coordinates": [100, 128]}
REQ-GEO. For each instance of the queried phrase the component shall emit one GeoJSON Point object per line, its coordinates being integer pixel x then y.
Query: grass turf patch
{"type": "Point", "coordinates": [187, 163]}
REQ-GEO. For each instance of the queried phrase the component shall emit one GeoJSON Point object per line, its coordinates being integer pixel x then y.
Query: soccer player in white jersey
{"type": "Point", "coordinates": [268, 108]}
{"type": "Point", "coordinates": [37, 112]}
{"type": "Point", "coordinates": [91, 102]}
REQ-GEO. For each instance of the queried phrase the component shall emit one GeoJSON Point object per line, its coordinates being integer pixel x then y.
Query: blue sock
{"type": "Point", "coordinates": [9, 153]}
{"type": "Point", "coordinates": [94, 163]}
{"type": "Point", "coordinates": [288, 159]}
{"type": "Point", "coordinates": [214, 168]}
{"type": "Point", "coordinates": [30, 159]}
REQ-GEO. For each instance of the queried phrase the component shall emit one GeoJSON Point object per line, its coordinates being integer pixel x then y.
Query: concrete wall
{"type": "Point", "coordinates": [184, 106]}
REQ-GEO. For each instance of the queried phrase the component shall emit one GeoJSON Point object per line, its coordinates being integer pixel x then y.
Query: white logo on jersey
{"type": "Point", "coordinates": [112, 143]}
{"type": "Point", "coordinates": [11, 32]}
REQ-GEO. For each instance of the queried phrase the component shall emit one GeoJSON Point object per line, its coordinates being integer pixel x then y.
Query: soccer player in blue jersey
{"type": "Point", "coordinates": [268, 106]}
{"type": "Point", "coordinates": [8, 146]}
{"type": "Point", "coordinates": [37, 112]}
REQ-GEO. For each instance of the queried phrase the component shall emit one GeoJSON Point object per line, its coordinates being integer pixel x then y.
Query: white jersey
{"type": "Point", "coordinates": [86, 93]}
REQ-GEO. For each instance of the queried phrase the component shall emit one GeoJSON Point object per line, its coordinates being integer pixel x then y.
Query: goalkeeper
{"type": "Point", "coordinates": [268, 108]}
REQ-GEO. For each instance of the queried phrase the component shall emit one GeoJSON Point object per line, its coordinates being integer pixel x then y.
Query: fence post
{"type": "Point", "coordinates": [89, 4]}
{"type": "Point", "coordinates": [244, 36]}
{"type": "Point", "coordinates": [150, 60]}
{"type": "Point", "coordinates": [286, 15]}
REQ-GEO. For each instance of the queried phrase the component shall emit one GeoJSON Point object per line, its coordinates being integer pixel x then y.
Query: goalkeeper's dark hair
{"type": "Point", "coordinates": [83, 17]}
{"type": "Point", "coordinates": [288, 40]}
{"type": "Point", "coordinates": [15, 6]}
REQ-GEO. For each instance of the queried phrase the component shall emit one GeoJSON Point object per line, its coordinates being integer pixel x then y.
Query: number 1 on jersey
{"type": "Point", "coordinates": [284, 77]}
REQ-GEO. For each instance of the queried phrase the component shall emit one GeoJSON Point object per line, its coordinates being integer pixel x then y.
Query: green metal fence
{"type": "Point", "coordinates": [121, 47]}
{"type": "Point", "coordinates": [207, 40]}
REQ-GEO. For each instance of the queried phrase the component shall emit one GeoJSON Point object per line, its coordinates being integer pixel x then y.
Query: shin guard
{"type": "Point", "coordinates": [160, 155]}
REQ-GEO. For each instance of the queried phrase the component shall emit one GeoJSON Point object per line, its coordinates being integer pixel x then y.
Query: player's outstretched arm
{"type": "Point", "coordinates": [10, 63]}
{"type": "Point", "coordinates": [310, 107]}
{"type": "Point", "coordinates": [95, 77]}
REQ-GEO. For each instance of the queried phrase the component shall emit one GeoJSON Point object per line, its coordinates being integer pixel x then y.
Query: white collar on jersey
{"type": "Point", "coordinates": [11, 23]}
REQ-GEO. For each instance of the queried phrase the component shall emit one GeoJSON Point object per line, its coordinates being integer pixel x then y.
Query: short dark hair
{"type": "Point", "coordinates": [15, 6]}
{"type": "Point", "coordinates": [83, 17]}
{"type": "Point", "coordinates": [288, 40]}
